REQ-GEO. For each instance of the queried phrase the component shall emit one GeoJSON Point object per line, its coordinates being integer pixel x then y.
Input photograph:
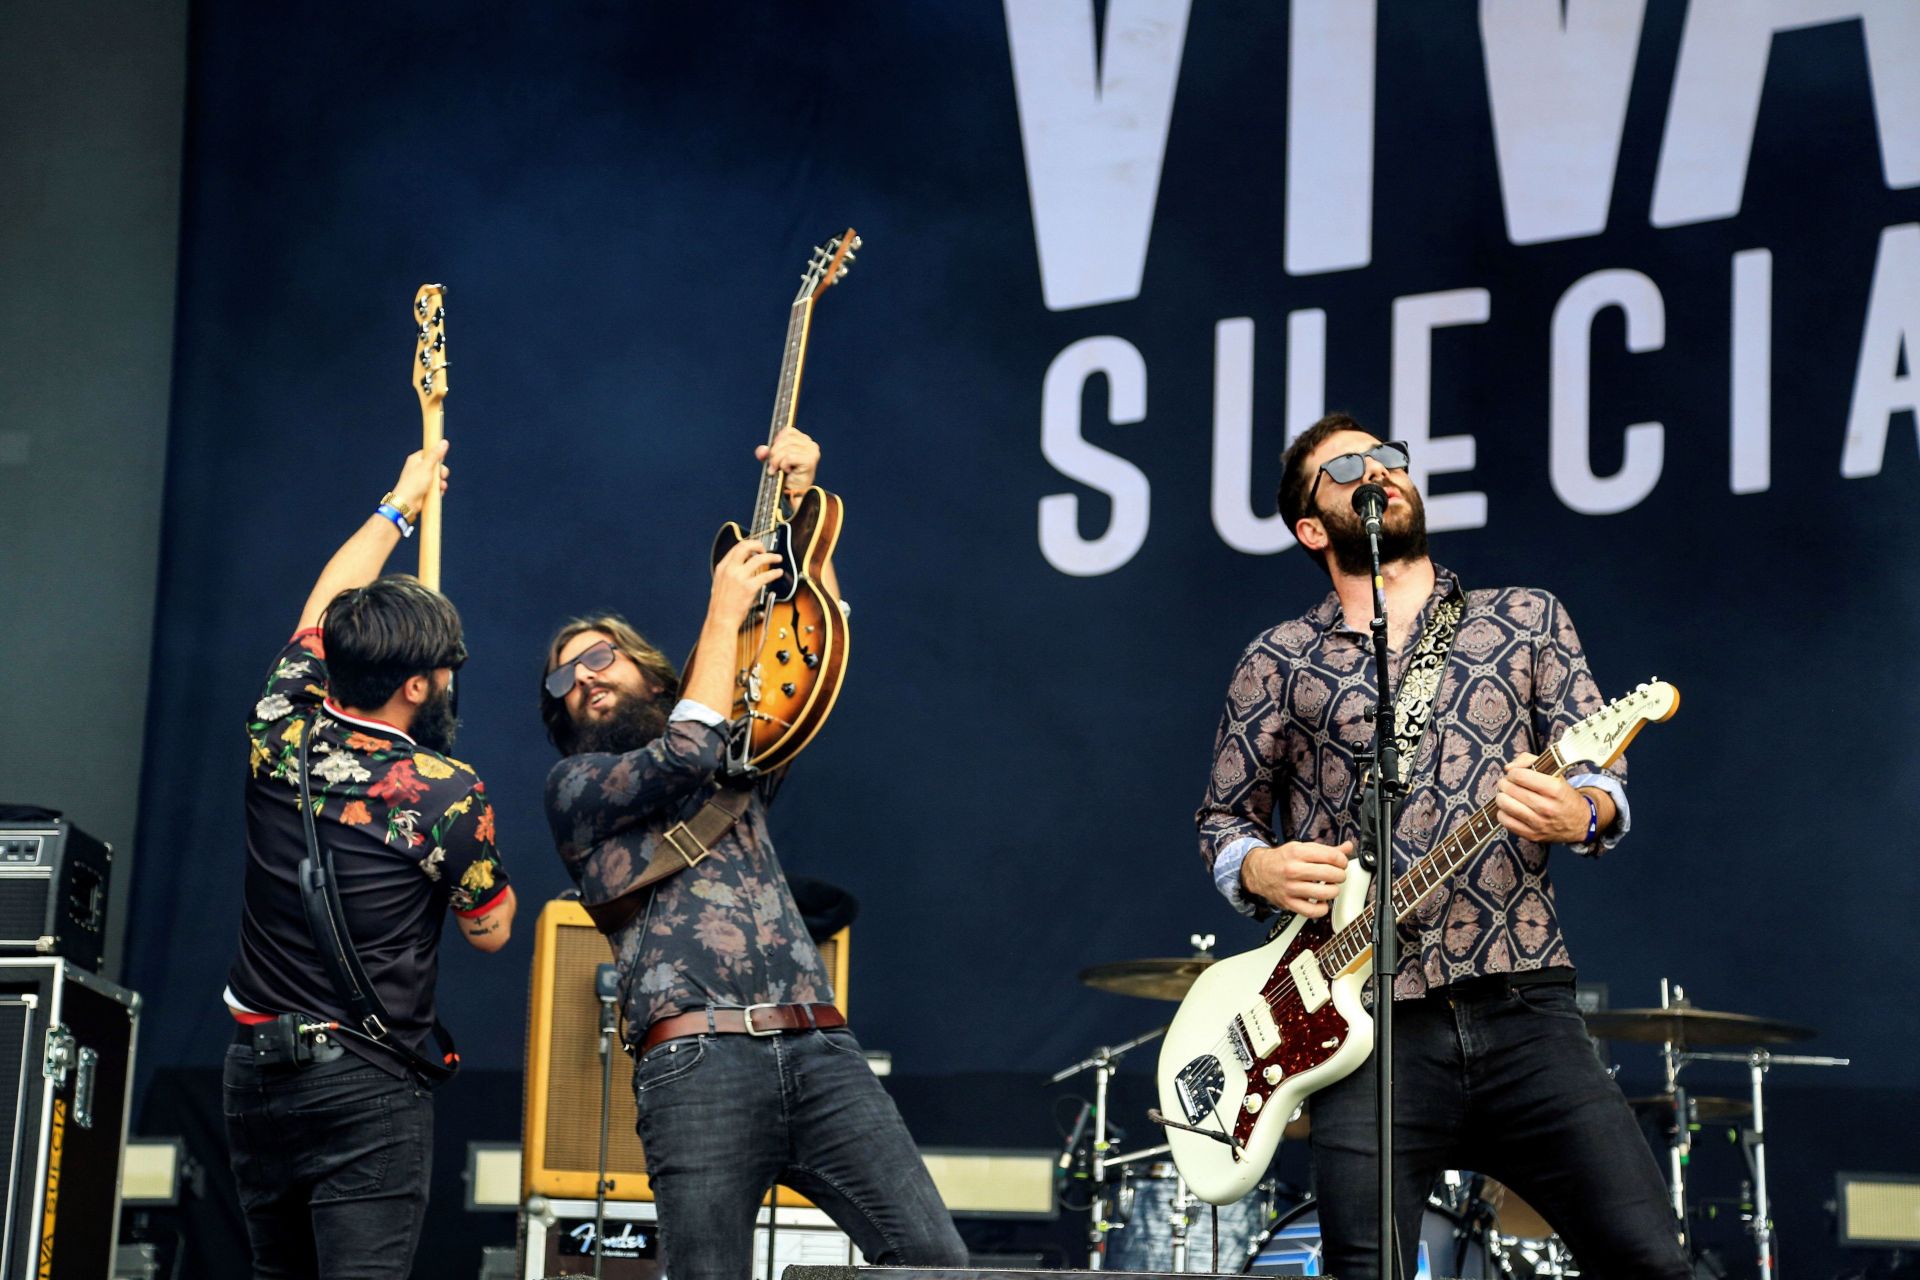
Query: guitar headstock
{"type": "Point", "coordinates": [1602, 736]}
{"type": "Point", "coordinates": [828, 266]}
{"type": "Point", "coordinates": [430, 345]}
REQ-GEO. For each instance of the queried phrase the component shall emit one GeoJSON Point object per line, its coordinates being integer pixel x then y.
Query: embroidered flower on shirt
{"type": "Point", "coordinates": [273, 706]}
{"type": "Point", "coordinates": [337, 767]}
{"type": "Point", "coordinates": [431, 863]}
{"type": "Point", "coordinates": [432, 766]}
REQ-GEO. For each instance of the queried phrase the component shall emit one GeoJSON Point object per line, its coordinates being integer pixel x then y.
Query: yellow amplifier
{"type": "Point", "coordinates": [560, 1135]}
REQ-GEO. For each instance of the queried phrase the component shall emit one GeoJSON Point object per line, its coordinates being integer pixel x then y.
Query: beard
{"type": "Point", "coordinates": [1404, 538]}
{"type": "Point", "coordinates": [634, 722]}
{"type": "Point", "coordinates": [435, 724]}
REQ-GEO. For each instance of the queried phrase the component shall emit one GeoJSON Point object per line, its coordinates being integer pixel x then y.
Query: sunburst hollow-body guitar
{"type": "Point", "coordinates": [791, 655]}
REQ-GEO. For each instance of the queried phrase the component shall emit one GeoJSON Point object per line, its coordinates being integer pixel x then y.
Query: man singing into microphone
{"type": "Point", "coordinates": [1492, 1067]}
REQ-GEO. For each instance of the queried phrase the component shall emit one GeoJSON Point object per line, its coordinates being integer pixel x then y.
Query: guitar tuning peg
{"type": "Point", "coordinates": [856, 242]}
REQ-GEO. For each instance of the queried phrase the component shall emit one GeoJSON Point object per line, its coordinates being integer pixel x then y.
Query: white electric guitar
{"type": "Point", "coordinates": [1259, 1032]}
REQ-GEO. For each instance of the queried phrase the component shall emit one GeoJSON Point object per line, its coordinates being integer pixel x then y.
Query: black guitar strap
{"type": "Point", "coordinates": [327, 921]}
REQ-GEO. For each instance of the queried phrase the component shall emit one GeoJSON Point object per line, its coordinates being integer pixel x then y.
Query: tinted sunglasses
{"type": "Point", "coordinates": [1349, 467]}
{"type": "Point", "coordinates": [595, 657]}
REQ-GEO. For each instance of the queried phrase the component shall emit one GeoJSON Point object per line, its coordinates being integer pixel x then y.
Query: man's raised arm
{"type": "Point", "coordinates": [362, 556]}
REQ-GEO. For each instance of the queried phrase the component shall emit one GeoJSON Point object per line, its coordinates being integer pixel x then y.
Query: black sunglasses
{"type": "Point", "coordinates": [595, 657]}
{"type": "Point", "coordinates": [1349, 467]}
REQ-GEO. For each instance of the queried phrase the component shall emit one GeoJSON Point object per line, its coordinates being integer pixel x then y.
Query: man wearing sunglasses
{"type": "Point", "coordinates": [331, 1131]}
{"type": "Point", "coordinates": [1493, 1070]}
{"type": "Point", "coordinates": [745, 1072]}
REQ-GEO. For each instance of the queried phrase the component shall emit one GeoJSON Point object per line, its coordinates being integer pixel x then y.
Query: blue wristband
{"type": "Point", "coordinates": [392, 513]}
{"type": "Point", "coordinates": [1593, 819]}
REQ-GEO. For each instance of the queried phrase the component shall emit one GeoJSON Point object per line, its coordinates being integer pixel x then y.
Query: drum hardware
{"type": "Point", "coordinates": [1676, 1026]}
{"type": "Point", "coordinates": [1102, 1062]}
{"type": "Point", "coordinates": [1754, 1137]}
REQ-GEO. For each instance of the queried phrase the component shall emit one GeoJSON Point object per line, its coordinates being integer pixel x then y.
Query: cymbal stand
{"type": "Point", "coordinates": [1102, 1062]}
{"type": "Point", "coordinates": [1680, 1136]}
{"type": "Point", "coordinates": [1755, 1142]}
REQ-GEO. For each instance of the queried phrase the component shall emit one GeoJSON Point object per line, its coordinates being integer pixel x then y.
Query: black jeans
{"type": "Point", "coordinates": [332, 1162]}
{"type": "Point", "coordinates": [723, 1117]}
{"type": "Point", "coordinates": [1505, 1083]}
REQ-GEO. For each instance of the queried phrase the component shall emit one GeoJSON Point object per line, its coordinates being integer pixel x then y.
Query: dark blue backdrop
{"type": "Point", "coordinates": [619, 199]}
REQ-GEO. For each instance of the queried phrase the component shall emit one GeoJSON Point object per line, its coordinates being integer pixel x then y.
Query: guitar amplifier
{"type": "Point", "coordinates": [560, 1134]}
{"type": "Point", "coordinates": [53, 891]}
{"type": "Point", "coordinates": [66, 1079]}
{"type": "Point", "coordinates": [557, 1240]}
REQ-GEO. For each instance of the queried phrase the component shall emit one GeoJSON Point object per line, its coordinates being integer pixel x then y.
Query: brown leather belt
{"type": "Point", "coordinates": [754, 1020]}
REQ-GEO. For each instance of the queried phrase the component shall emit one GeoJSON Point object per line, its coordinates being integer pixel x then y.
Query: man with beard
{"type": "Point", "coordinates": [331, 1131]}
{"type": "Point", "coordinates": [745, 1074]}
{"type": "Point", "coordinates": [1492, 1067]}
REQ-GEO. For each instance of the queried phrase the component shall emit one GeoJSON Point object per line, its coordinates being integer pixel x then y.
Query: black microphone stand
{"type": "Point", "coordinates": [1369, 500]}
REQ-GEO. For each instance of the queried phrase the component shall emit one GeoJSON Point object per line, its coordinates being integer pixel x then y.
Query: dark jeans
{"type": "Point", "coordinates": [723, 1117]}
{"type": "Point", "coordinates": [332, 1162]}
{"type": "Point", "coordinates": [1503, 1083]}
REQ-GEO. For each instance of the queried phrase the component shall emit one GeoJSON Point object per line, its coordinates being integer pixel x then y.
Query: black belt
{"type": "Point", "coordinates": [1500, 984]}
{"type": "Point", "coordinates": [278, 1042]}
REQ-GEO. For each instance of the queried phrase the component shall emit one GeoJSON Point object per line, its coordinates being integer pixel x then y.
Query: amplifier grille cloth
{"type": "Point", "coordinates": [574, 1067]}
{"type": "Point", "coordinates": [23, 906]}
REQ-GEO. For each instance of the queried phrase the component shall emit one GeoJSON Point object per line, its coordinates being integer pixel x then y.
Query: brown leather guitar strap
{"type": "Point", "coordinates": [682, 845]}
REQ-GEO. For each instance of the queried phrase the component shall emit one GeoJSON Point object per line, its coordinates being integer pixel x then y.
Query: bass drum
{"type": "Point", "coordinates": [1450, 1246]}
{"type": "Point", "coordinates": [1146, 1214]}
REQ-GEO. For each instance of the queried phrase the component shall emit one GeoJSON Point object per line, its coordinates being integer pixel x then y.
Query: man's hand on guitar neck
{"type": "Point", "coordinates": [794, 454]}
{"type": "Point", "coordinates": [1298, 876]}
{"type": "Point", "coordinates": [361, 558]}
{"type": "Point", "coordinates": [1545, 808]}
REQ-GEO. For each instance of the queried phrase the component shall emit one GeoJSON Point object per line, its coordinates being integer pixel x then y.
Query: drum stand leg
{"type": "Point", "coordinates": [1097, 1224]}
{"type": "Point", "coordinates": [1680, 1137]}
{"type": "Point", "coordinates": [1177, 1224]}
{"type": "Point", "coordinates": [1757, 1063]}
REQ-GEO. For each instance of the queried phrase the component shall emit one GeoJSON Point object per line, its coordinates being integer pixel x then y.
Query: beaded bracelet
{"type": "Point", "coordinates": [392, 513]}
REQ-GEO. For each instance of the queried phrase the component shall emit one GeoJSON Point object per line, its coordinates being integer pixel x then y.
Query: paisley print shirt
{"type": "Point", "coordinates": [724, 933]}
{"type": "Point", "coordinates": [412, 834]}
{"type": "Point", "coordinates": [1284, 768]}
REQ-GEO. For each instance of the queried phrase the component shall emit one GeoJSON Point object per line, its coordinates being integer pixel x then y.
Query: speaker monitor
{"type": "Point", "coordinates": [561, 1130]}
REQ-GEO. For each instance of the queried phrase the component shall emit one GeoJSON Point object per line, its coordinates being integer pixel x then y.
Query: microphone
{"type": "Point", "coordinates": [1370, 501]}
{"type": "Point", "coordinates": [1073, 1140]}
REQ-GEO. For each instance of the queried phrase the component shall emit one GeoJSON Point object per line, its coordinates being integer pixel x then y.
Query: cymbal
{"type": "Point", "coordinates": [1686, 1025]}
{"type": "Point", "coordinates": [1706, 1110]}
{"type": "Point", "coordinates": [1162, 978]}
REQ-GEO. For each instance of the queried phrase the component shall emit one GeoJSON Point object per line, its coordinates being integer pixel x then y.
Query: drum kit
{"type": "Point", "coordinates": [1143, 1218]}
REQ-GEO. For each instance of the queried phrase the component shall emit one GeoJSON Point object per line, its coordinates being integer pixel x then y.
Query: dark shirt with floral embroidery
{"type": "Point", "coordinates": [1284, 766]}
{"type": "Point", "coordinates": [412, 834]}
{"type": "Point", "coordinates": [724, 933]}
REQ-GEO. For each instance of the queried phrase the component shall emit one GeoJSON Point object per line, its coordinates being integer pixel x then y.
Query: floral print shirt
{"type": "Point", "coordinates": [412, 834]}
{"type": "Point", "coordinates": [724, 933]}
{"type": "Point", "coordinates": [1284, 767]}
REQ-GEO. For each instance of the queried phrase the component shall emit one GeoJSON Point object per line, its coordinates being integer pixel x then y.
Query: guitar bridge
{"type": "Point", "coordinates": [1237, 1034]}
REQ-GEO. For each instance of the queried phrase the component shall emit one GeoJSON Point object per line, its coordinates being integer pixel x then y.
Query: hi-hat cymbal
{"type": "Point", "coordinates": [1162, 978]}
{"type": "Point", "coordinates": [1706, 1110]}
{"type": "Point", "coordinates": [1686, 1025]}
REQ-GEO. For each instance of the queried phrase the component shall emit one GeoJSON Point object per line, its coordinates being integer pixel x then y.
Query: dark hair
{"type": "Point", "coordinates": [553, 711]}
{"type": "Point", "coordinates": [1296, 480]}
{"type": "Point", "coordinates": [380, 634]}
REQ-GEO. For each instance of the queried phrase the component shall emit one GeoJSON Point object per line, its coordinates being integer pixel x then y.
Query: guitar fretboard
{"type": "Point", "coordinates": [1355, 942]}
{"type": "Point", "coordinates": [766, 504]}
